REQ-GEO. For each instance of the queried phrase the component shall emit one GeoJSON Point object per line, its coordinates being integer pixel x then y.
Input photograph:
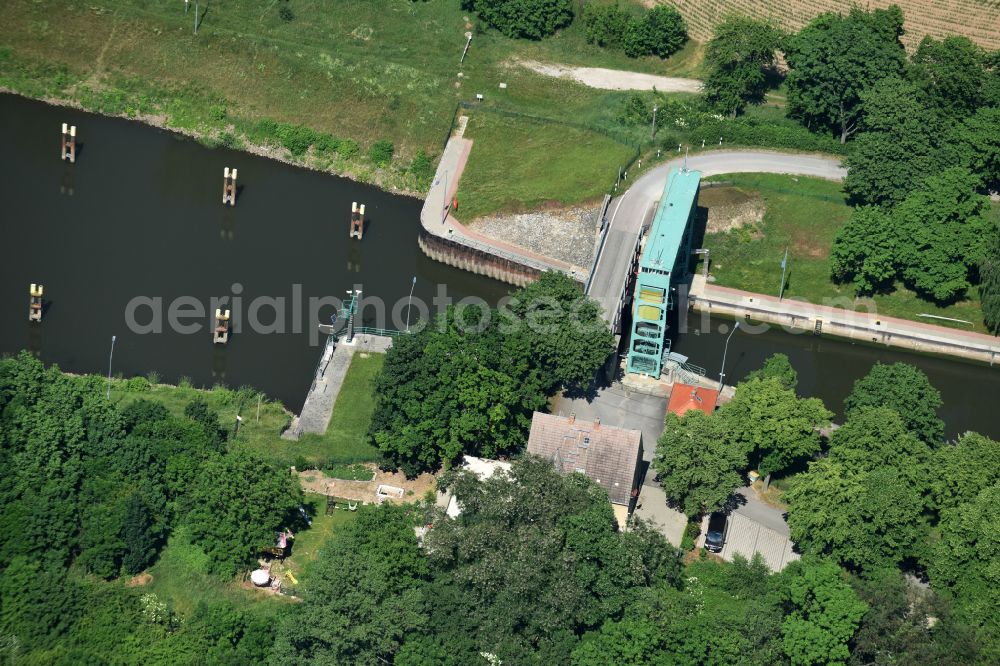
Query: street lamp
{"type": "Point", "coordinates": [409, 302]}
{"type": "Point", "coordinates": [722, 372]}
{"type": "Point", "coordinates": [111, 356]}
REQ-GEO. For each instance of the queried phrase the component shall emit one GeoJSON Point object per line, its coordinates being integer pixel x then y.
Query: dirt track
{"type": "Point", "coordinates": [614, 79]}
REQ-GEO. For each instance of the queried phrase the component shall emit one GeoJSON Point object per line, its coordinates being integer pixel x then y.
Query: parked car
{"type": "Point", "coordinates": [716, 535]}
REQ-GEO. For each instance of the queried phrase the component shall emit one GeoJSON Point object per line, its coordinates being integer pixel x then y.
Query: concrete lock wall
{"type": "Point", "coordinates": [459, 255]}
{"type": "Point", "coordinates": [863, 330]}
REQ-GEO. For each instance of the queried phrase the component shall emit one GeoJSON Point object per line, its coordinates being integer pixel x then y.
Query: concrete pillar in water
{"type": "Point", "coordinates": [229, 187]}
{"type": "Point", "coordinates": [68, 151]}
{"type": "Point", "coordinates": [35, 293]}
{"type": "Point", "coordinates": [221, 334]}
{"type": "Point", "coordinates": [357, 220]}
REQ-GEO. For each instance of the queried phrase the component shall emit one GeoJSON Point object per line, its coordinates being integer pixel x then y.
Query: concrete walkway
{"type": "Point", "coordinates": [330, 374]}
{"type": "Point", "coordinates": [839, 322]}
{"type": "Point", "coordinates": [436, 218]}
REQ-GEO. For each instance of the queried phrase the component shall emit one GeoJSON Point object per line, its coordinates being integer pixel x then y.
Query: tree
{"type": "Point", "coordinates": [906, 390]}
{"type": "Point", "coordinates": [740, 56]}
{"type": "Point", "coordinates": [698, 466]}
{"type": "Point", "coordinates": [899, 144]}
{"type": "Point", "coordinates": [774, 425]}
{"type": "Point", "coordinates": [663, 32]}
{"type": "Point", "coordinates": [364, 594]}
{"type": "Point", "coordinates": [564, 329]}
{"type": "Point", "coordinates": [834, 59]}
{"type": "Point", "coordinates": [139, 534]}
{"type": "Point", "coordinates": [606, 25]}
{"type": "Point", "coordinates": [944, 223]}
{"type": "Point", "coordinates": [777, 366]}
{"type": "Point", "coordinates": [823, 613]}
{"type": "Point", "coordinates": [963, 470]}
{"type": "Point", "coordinates": [951, 72]}
{"type": "Point", "coordinates": [533, 560]}
{"type": "Point", "coordinates": [863, 505]}
{"type": "Point", "coordinates": [238, 503]}
{"type": "Point", "coordinates": [965, 559]}
{"type": "Point", "coordinates": [978, 140]}
{"type": "Point", "coordinates": [865, 251]}
{"type": "Point", "coordinates": [469, 383]}
{"type": "Point", "coordinates": [989, 281]}
{"type": "Point", "coordinates": [530, 19]}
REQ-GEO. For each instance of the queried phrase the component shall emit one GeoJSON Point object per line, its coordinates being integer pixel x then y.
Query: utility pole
{"type": "Point", "coordinates": [110, 357]}
{"type": "Point", "coordinates": [722, 372]}
{"type": "Point", "coordinates": [196, 12]}
{"type": "Point", "coordinates": [409, 302]}
{"type": "Point", "coordinates": [652, 131]}
{"type": "Point", "coordinates": [784, 266]}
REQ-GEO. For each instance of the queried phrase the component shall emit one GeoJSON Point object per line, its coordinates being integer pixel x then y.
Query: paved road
{"type": "Point", "coordinates": [630, 211]}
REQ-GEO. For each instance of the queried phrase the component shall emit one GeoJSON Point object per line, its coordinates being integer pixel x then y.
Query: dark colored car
{"type": "Point", "coordinates": [716, 535]}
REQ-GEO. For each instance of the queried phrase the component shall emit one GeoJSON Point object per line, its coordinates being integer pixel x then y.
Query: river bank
{"type": "Point", "coordinates": [383, 179]}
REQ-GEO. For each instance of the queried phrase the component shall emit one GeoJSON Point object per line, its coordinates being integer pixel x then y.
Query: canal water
{"type": "Point", "coordinates": [140, 215]}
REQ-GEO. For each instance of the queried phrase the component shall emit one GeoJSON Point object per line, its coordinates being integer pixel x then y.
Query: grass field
{"type": "Point", "coordinates": [556, 165]}
{"type": "Point", "coordinates": [804, 215]}
{"type": "Point", "coordinates": [358, 69]}
{"type": "Point", "coordinates": [181, 578]}
{"type": "Point", "coordinates": [308, 543]}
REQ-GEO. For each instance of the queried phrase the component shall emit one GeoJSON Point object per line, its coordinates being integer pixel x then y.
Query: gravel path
{"type": "Point", "coordinates": [614, 79]}
{"type": "Point", "coordinates": [568, 234]}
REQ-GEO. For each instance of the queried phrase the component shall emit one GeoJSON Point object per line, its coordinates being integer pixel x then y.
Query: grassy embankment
{"type": "Point", "coordinates": [354, 72]}
{"type": "Point", "coordinates": [804, 215]}
{"type": "Point", "coordinates": [345, 440]}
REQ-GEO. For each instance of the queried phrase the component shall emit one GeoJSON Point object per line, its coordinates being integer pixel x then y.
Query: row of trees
{"type": "Point", "coordinates": [658, 31]}
{"type": "Point", "coordinates": [533, 572]}
{"type": "Point", "coordinates": [926, 142]}
{"type": "Point", "coordinates": [93, 488]}
{"type": "Point", "coordinates": [469, 382]}
{"type": "Point", "coordinates": [885, 492]}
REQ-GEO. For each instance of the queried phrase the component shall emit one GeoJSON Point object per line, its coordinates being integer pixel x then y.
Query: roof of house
{"type": "Point", "coordinates": [606, 454]}
{"type": "Point", "coordinates": [686, 397]}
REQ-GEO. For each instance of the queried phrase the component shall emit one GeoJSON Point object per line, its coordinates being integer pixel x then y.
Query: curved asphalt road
{"type": "Point", "coordinates": [631, 210]}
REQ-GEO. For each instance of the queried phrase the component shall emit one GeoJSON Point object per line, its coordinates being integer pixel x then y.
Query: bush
{"type": "Point", "coordinates": [381, 153]}
{"type": "Point", "coordinates": [348, 148]}
{"type": "Point", "coordinates": [326, 143]}
{"type": "Point", "coordinates": [605, 24]}
{"type": "Point", "coordinates": [286, 14]}
{"type": "Point", "coordinates": [530, 19]}
{"type": "Point", "coordinates": [422, 167]}
{"type": "Point", "coordinates": [295, 138]}
{"type": "Point", "coordinates": [217, 112]}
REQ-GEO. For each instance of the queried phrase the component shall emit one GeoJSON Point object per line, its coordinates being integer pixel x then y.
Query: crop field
{"type": "Point", "coordinates": [979, 20]}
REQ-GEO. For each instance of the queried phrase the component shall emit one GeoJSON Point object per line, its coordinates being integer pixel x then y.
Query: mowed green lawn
{"type": "Point", "coordinates": [519, 163]}
{"type": "Point", "coordinates": [804, 215]}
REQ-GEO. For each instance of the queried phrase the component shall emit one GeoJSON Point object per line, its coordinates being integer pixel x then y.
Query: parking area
{"type": "Point", "coordinates": [652, 506]}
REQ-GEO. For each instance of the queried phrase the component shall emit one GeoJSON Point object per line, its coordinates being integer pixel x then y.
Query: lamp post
{"type": "Point", "coordinates": [722, 372]}
{"type": "Point", "coordinates": [409, 302]}
{"type": "Point", "coordinates": [784, 266]}
{"type": "Point", "coordinates": [111, 356]}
